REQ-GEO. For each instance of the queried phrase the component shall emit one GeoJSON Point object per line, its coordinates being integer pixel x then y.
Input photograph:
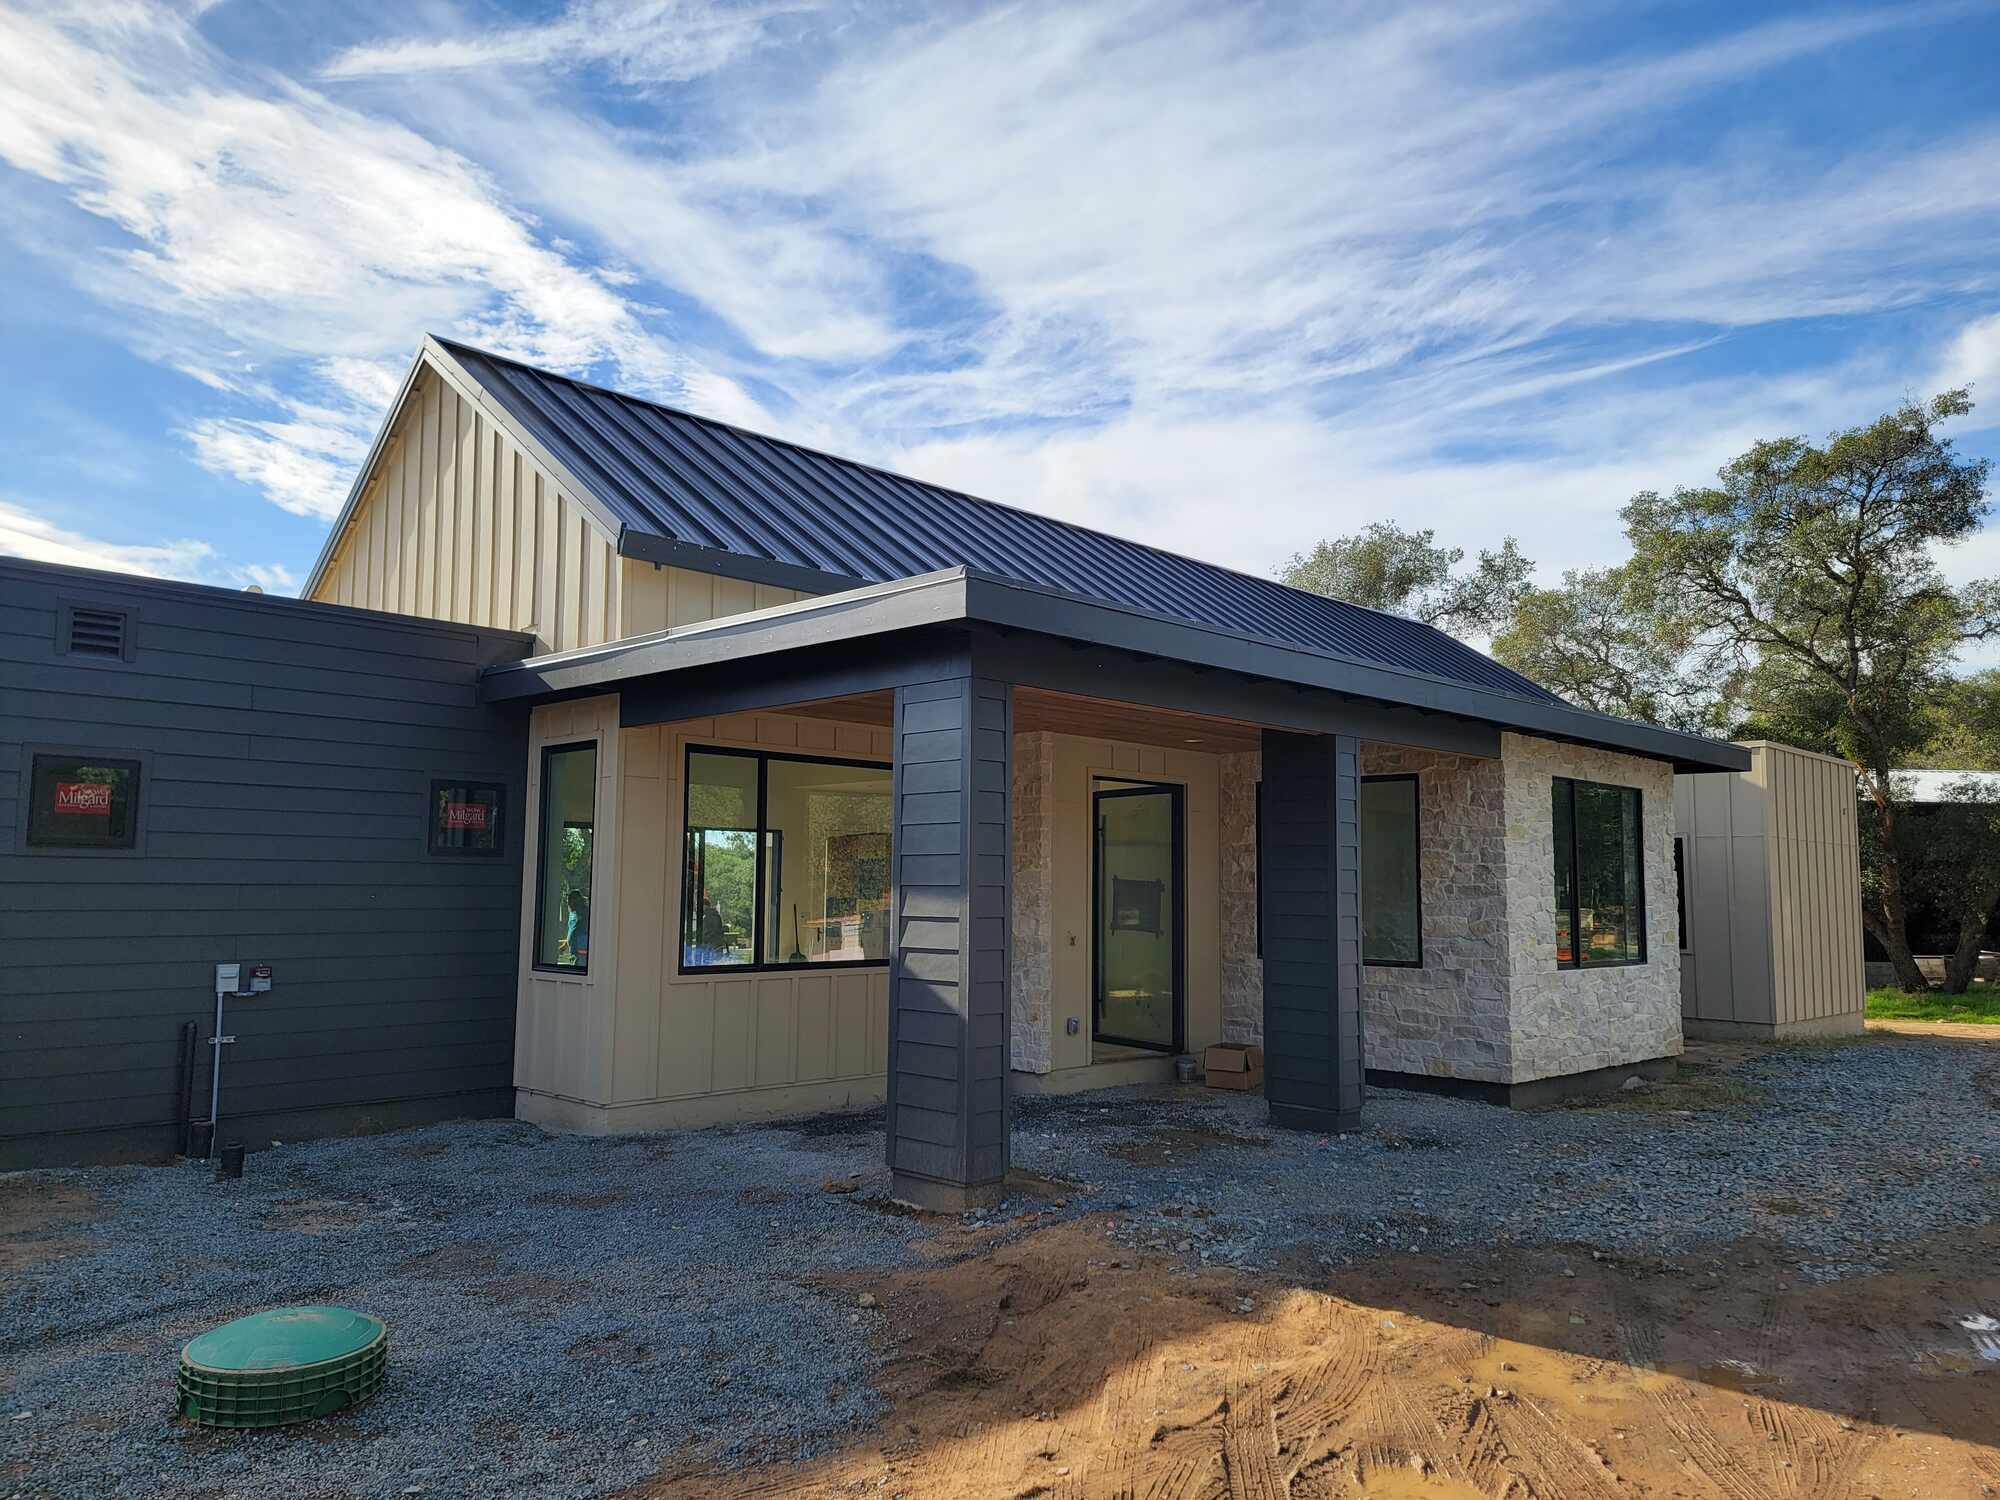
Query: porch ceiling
{"type": "Point", "coordinates": [1070, 713]}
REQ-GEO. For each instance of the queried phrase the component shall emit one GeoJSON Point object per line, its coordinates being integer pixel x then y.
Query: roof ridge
{"type": "Point", "coordinates": [931, 484]}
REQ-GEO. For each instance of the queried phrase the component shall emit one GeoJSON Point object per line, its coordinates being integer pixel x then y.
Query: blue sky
{"type": "Point", "coordinates": [1225, 278]}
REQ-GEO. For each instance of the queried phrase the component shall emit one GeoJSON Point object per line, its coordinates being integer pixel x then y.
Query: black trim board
{"type": "Point", "coordinates": [1536, 1093]}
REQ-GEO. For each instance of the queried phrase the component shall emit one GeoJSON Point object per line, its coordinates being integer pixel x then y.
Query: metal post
{"type": "Point", "coordinates": [216, 1043]}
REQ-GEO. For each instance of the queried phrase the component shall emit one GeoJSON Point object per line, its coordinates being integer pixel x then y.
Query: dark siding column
{"type": "Point", "coordinates": [1311, 897]}
{"type": "Point", "coordinates": [947, 1123]}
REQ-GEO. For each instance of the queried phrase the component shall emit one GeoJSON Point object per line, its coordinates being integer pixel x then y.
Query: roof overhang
{"type": "Point", "coordinates": [964, 596]}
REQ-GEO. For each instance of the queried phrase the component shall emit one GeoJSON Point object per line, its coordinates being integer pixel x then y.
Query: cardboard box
{"type": "Point", "coordinates": [1229, 1066]}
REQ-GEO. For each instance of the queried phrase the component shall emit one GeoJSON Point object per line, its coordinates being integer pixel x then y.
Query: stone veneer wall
{"type": "Point", "coordinates": [1031, 983]}
{"type": "Point", "coordinates": [1575, 1020]}
{"type": "Point", "coordinates": [1236, 849]}
{"type": "Point", "coordinates": [1489, 1003]}
{"type": "Point", "coordinates": [1448, 1018]}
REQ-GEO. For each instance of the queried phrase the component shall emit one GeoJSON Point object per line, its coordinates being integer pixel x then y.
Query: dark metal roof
{"type": "Point", "coordinates": [806, 519]}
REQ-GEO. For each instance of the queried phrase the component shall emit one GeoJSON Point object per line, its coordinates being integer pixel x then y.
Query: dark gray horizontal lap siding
{"type": "Point", "coordinates": [289, 751]}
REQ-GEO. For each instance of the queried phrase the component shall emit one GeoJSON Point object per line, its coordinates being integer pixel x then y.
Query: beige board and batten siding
{"type": "Point", "coordinates": [565, 1022]}
{"type": "Point", "coordinates": [670, 1049]}
{"type": "Point", "coordinates": [458, 522]}
{"type": "Point", "coordinates": [1771, 863]}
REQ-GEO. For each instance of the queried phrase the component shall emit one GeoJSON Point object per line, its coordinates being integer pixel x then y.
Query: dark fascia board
{"type": "Point", "coordinates": [928, 599]}
{"type": "Point", "coordinates": [664, 551]}
{"type": "Point", "coordinates": [1027, 607]}
{"type": "Point", "coordinates": [509, 645]}
{"type": "Point", "coordinates": [963, 595]}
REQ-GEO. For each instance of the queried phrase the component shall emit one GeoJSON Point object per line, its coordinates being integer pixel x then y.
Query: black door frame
{"type": "Point", "coordinates": [1178, 795]}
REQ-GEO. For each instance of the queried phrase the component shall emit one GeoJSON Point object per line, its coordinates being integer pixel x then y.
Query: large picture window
{"type": "Point", "coordinates": [83, 802]}
{"type": "Point", "coordinates": [786, 862]}
{"type": "Point", "coordinates": [1392, 928]}
{"type": "Point", "coordinates": [1599, 875]}
{"type": "Point", "coordinates": [562, 878]}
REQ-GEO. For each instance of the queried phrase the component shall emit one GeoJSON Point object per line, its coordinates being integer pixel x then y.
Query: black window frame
{"type": "Point", "coordinates": [462, 783]}
{"type": "Point", "coordinates": [760, 898]}
{"type": "Point", "coordinates": [133, 845]}
{"type": "Point", "coordinates": [1417, 830]}
{"type": "Point", "coordinates": [1638, 797]}
{"type": "Point", "coordinates": [1122, 786]}
{"type": "Point", "coordinates": [1258, 868]}
{"type": "Point", "coordinates": [549, 752]}
{"type": "Point", "coordinates": [1680, 896]}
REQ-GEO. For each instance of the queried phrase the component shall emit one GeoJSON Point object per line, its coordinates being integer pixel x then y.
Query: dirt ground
{"type": "Point", "coordinates": [1064, 1365]}
{"type": "Point", "coordinates": [1058, 1367]}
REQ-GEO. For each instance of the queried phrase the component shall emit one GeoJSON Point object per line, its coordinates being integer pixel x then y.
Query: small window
{"type": "Point", "coordinates": [562, 879]}
{"type": "Point", "coordinates": [1680, 899]}
{"type": "Point", "coordinates": [1599, 875]}
{"type": "Point", "coordinates": [467, 817]}
{"type": "Point", "coordinates": [83, 802]}
{"type": "Point", "coordinates": [1391, 904]}
{"type": "Point", "coordinates": [786, 862]}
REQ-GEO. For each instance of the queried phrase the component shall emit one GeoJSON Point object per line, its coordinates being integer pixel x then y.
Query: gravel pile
{"type": "Point", "coordinates": [566, 1313]}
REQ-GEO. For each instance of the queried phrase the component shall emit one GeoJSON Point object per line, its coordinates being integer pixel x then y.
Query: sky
{"type": "Point", "coordinates": [1224, 278]}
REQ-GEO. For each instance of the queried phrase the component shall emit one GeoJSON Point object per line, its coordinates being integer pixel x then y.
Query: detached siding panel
{"type": "Point", "coordinates": [288, 751]}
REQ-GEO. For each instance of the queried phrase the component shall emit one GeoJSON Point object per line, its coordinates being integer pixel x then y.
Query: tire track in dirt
{"type": "Point", "coordinates": [1122, 1419]}
{"type": "Point", "coordinates": [1396, 1433]}
{"type": "Point", "coordinates": [1555, 1463]}
{"type": "Point", "coordinates": [1324, 1393]}
{"type": "Point", "coordinates": [1702, 1448]}
{"type": "Point", "coordinates": [1250, 1456]}
{"type": "Point", "coordinates": [1482, 1448]}
{"type": "Point", "coordinates": [1640, 1342]}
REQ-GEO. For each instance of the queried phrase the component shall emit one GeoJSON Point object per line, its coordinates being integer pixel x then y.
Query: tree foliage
{"type": "Point", "coordinates": [1407, 573]}
{"type": "Point", "coordinates": [1601, 643]}
{"type": "Point", "coordinates": [1809, 576]}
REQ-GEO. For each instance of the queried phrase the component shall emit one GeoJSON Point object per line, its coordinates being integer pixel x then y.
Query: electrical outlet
{"type": "Point", "coordinates": [1072, 1026]}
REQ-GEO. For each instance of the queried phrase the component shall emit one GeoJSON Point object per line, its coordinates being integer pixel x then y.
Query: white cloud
{"type": "Point", "coordinates": [26, 533]}
{"type": "Point", "coordinates": [640, 41]}
{"type": "Point", "coordinates": [270, 227]}
{"type": "Point", "coordinates": [1974, 360]}
{"type": "Point", "coordinates": [1157, 267]}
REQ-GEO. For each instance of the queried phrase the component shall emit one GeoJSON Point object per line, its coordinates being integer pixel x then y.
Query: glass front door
{"type": "Point", "coordinates": [1138, 956]}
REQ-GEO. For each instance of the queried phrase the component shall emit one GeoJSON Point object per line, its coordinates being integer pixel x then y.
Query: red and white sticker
{"type": "Point", "coordinates": [86, 799]}
{"type": "Point", "coordinates": [472, 815]}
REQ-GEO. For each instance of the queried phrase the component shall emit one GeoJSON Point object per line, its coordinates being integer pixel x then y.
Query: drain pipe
{"type": "Point", "coordinates": [189, 1033]}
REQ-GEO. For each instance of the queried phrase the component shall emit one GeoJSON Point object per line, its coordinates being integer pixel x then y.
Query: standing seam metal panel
{"type": "Point", "coordinates": [851, 521]}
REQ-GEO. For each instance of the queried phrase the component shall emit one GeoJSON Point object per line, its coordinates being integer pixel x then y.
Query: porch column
{"type": "Point", "coordinates": [947, 1124]}
{"type": "Point", "coordinates": [1311, 907]}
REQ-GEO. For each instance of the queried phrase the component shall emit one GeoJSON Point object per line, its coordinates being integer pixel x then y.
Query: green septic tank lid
{"type": "Point", "coordinates": [285, 1338]}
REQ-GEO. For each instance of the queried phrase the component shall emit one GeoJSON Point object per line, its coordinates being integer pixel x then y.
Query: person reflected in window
{"type": "Point", "coordinates": [714, 933]}
{"type": "Point", "coordinates": [578, 936]}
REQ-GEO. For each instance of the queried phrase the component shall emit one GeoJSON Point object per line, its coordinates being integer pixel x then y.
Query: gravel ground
{"type": "Point", "coordinates": [565, 1313]}
{"type": "Point", "coordinates": [1838, 1155]}
{"type": "Point", "coordinates": [562, 1311]}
